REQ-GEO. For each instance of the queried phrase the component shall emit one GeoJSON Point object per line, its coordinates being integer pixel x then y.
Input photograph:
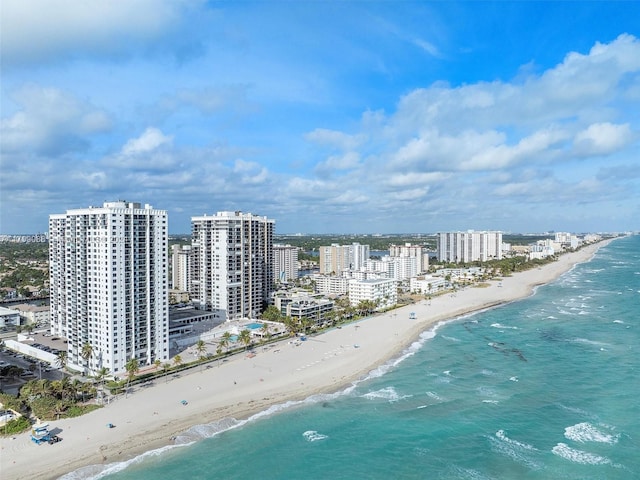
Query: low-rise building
{"type": "Point", "coordinates": [382, 291]}
{"type": "Point", "coordinates": [9, 317]}
{"type": "Point", "coordinates": [329, 284]}
{"type": "Point", "coordinates": [427, 284]}
{"type": "Point", "coordinates": [33, 314]}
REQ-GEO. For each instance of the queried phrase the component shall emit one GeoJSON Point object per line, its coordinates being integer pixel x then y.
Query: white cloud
{"type": "Point", "coordinates": [47, 29]}
{"type": "Point", "coordinates": [428, 47]}
{"type": "Point", "coordinates": [603, 139]}
{"type": "Point", "coordinates": [335, 163]}
{"type": "Point", "coordinates": [50, 121]}
{"type": "Point", "coordinates": [250, 172]}
{"type": "Point", "coordinates": [335, 139]}
{"type": "Point", "coordinates": [150, 140]}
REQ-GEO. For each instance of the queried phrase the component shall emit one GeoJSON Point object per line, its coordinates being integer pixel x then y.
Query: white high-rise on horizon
{"type": "Point", "coordinates": [180, 267]}
{"type": "Point", "coordinates": [232, 264]}
{"type": "Point", "coordinates": [335, 259]}
{"type": "Point", "coordinates": [417, 251]}
{"type": "Point", "coordinates": [108, 272]}
{"type": "Point", "coordinates": [285, 262]}
{"type": "Point", "coordinates": [469, 246]}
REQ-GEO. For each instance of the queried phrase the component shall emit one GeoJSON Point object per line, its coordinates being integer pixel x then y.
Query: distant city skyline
{"type": "Point", "coordinates": [328, 117]}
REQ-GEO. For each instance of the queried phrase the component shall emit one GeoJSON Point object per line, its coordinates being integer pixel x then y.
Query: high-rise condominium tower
{"type": "Point", "coordinates": [336, 258]}
{"type": "Point", "coordinates": [285, 262]}
{"type": "Point", "coordinates": [469, 246]}
{"type": "Point", "coordinates": [108, 269]}
{"type": "Point", "coordinates": [232, 263]}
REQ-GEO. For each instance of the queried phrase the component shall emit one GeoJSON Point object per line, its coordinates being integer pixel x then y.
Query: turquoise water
{"type": "Point", "coordinates": [544, 388]}
{"type": "Point", "coordinates": [254, 326]}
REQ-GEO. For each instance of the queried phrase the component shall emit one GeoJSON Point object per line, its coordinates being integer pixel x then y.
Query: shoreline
{"type": "Point", "coordinates": [241, 387]}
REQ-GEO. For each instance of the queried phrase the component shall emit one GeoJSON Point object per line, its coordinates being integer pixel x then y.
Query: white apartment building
{"type": "Point", "coordinates": [335, 258]}
{"type": "Point", "coordinates": [232, 264]}
{"type": "Point", "coordinates": [285, 262]}
{"type": "Point", "coordinates": [396, 268]}
{"type": "Point", "coordinates": [33, 314]}
{"type": "Point", "coordinates": [180, 267]}
{"type": "Point", "coordinates": [384, 291]}
{"type": "Point", "coordinates": [567, 240]}
{"type": "Point", "coordinates": [9, 316]}
{"type": "Point", "coordinates": [427, 284]}
{"type": "Point", "coordinates": [108, 271]}
{"type": "Point", "coordinates": [412, 251]}
{"type": "Point", "coordinates": [470, 246]}
{"type": "Point", "coordinates": [330, 284]}
{"type": "Point", "coordinates": [300, 304]}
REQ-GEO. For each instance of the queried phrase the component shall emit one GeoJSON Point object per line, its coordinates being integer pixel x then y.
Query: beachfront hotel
{"type": "Point", "coordinates": [232, 264]}
{"type": "Point", "coordinates": [108, 275]}
{"type": "Point", "coordinates": [469, 246]}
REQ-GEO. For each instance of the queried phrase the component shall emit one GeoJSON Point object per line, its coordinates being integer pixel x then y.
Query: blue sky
{"type": "Point", "coordinates": [329, 117]}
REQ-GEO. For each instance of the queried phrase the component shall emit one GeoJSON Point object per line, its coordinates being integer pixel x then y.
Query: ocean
{"type": "Point", "coordinates": [543, 388]}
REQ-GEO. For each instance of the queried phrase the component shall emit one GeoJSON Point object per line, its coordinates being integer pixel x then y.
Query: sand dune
{"type": "Point", "coordinates": [153, 416]}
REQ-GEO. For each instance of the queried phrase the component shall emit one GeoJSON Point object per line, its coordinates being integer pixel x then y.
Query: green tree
{"type": "Point", "coordinates": [272, 313]}
{"type": "Point", "coordinates": [101, 376]}
{"type": "Point", "coordinates": [245, 338]}
{"type": "Point", "coordinates": [132, 367]}
{"type": "Point", "coordinates": [225, 340]}
{"type": "Point", "coordinates": [165, 369]}
{"type": "Point", "coordinates": [59, 409]}
{"type": "Point", "coordinates": [177, 360]}
{"type": "Point", "coordinates": [62, 358]}
{"type": "Point", "coordinates": [201, 349]}
{"type": "Point", "coordinates": [86, 353]}
{"type": "Point", "coordinates": [219, 352]}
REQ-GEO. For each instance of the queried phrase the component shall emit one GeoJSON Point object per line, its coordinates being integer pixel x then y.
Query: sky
{"type": "Point", "coordinates": [326, 116]}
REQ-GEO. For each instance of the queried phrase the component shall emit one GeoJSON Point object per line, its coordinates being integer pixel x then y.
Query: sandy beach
{"type": "Point", "coordinates": [150, 417]}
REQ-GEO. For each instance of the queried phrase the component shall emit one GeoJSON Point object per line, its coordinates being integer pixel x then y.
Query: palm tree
{"type": "Point", "coordinates": [201, 348]}
{"type": "Point", "coordinates": [59, 408]}
{"type": "Point", "coordinates": [305, 323]}
{"type": "Point", "coordinates": [219, 352]}
{"type": "Point", "coordinates": [272, 313]}
{"type": "Point", "coordinates": [78, 386]}
{"type": "Point", "coordinates": [265, 333]}
{"type": "Point", "coordinates": [165, 369]}
{"type": "Point", "coordinates": [291, 325]}
{"type": "Point", "coordinates": [101, 376]}
{"type": "Point", "coordinates": [157, 362]}
{"type": "Point", "coordinates": [132, 367]}
{"type": "Point", "coordinates": [245, 338]}
{"type": "Point", "coordinates": [177, 360]}
{"type": "Point", "coordinates": [225, 340]}
{"type": "Point", "coordinates": [62, 358]}
{"type": "Point", "coordinates": [86, 353]}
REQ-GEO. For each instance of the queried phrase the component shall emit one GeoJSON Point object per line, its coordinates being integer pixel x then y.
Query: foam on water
{"type": "Point", "coordinates": [518, 451]}
{"type": "Point", "coordinates": [387, 393]}
{"type": "Point", "coordinates": [96, 472]}
{"type": "Point", "coordinates": [313, 436]}
{"type": "Point", "coordinates": [585, 432]}
{"type": "Point", "coordinates": [499, 325]}
{"type": "Point", "coordinates": [436, 433]}
{"type": "Point", "coordinates": [578, 456]}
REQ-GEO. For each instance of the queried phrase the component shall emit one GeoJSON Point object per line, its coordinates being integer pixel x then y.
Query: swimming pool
{"type": "Point", "coordinates": [254, 326]}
